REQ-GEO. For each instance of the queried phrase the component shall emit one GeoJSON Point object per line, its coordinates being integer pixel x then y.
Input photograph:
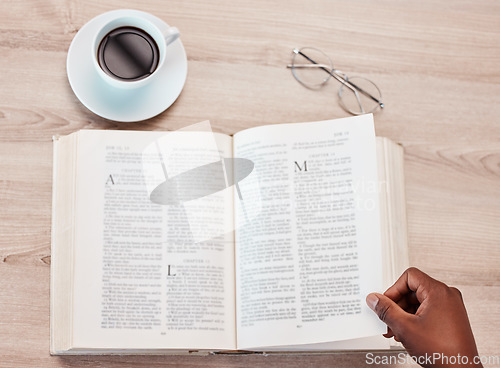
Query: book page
{"type": "Point", "coordinates": [153, 270]}
{"type": "Point", "coordinates": [305, 265]}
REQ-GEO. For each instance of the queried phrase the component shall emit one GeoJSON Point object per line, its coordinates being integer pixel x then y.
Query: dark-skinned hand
{"type": "Point", "coordinates": [428, 318]}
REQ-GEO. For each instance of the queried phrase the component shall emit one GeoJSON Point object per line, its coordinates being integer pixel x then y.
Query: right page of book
{"type": "Point", "coordinates": [307, 260]}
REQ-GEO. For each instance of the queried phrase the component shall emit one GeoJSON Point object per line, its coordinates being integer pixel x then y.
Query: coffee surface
{"type": "Point", "coordinates": [128, 53]}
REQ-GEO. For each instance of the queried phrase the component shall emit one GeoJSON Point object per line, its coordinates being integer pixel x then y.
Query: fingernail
{"type": "Point", "coordinates": [372, 301]}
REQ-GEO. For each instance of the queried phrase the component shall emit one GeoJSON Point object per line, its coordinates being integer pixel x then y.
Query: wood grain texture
{"type": "Point", "coordinates": [435, 61]}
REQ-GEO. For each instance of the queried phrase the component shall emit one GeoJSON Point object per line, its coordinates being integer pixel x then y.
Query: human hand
{"type": "Point", "coordinates": [428, 318]}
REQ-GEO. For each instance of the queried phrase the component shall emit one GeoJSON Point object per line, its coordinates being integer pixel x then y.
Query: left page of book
{"type": "Point", "coordinates": [153, 269]}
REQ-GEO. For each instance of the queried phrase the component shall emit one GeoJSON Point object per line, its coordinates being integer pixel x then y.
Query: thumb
{"type": "Point", "coordinates": [388, 311]}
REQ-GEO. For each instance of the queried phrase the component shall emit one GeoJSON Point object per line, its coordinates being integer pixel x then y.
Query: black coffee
{"type": "Point", "coordinates": [128, 53]}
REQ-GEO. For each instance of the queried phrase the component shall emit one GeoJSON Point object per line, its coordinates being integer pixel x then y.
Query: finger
{"type": "Point", "coordinates": [389, 312]}
{"type": "Point", "coordinates": [412, 281]}
{"type": "Point", "coordinates": [412, 298]}
{"type": "Point", "coordinates": [401, 287]}
{"type": "Point", "coordinates": [389, 333]}
{"type": "Point", "coordinates": [412, 309]}
{"type": "Point", "coordinates": [409, 303]}
{"type": "Point", "coordinates": [408, 299]}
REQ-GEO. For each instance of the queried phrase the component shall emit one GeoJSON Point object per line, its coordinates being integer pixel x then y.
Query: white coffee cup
{"type": "Point", "coordinates": [144, 22]}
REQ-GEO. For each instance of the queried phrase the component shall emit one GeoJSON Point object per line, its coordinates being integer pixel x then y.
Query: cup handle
{"type": "Point", "coordinates": [171, 34]}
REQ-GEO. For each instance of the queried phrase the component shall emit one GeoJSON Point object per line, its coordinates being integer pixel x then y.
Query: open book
{"type": "Point", "coordinates": [152, 252]}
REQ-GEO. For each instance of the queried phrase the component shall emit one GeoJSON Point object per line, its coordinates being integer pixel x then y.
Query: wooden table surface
{"type": "Point", "coordinates": [436, 62]}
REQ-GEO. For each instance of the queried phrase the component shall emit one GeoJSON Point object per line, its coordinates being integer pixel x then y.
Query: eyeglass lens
{"type": "Point", "coordinates": [306, 72]}
{"type": "Point", "coordinates": [358, 103]}
{"type": "Point", "coordinates": [313, 68]}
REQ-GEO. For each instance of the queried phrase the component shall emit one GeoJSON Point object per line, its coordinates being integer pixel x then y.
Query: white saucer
{"type": "Point", "coordinates": [119, 104]}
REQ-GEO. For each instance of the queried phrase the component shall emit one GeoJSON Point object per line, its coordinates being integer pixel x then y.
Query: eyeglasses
{"type": "Point", "coordinates": [313, 69]}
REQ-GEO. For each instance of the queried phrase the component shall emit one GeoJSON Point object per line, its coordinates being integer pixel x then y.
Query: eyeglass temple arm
{"type": "Point", "coordinates": [341, 79]}
{"type": "Point", "coordinates": [306, 66]}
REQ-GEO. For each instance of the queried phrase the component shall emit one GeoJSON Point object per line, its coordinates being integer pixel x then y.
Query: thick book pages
{"type": "Point", "coordinates": [279, 260]}
{"type": "Point", "coordinates": [390, 161]}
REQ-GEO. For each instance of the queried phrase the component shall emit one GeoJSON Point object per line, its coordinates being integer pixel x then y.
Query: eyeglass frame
{"type": "Point", "coordinates": [339, 76]}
